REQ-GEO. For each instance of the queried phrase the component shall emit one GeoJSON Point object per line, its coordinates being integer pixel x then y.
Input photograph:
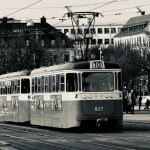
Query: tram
{"type": "Point", "coordinates": [63, 96]}
{"type": "Point", "coordinates": [15, 97]}
{"type": "Point", "coordinates": [75, 94]}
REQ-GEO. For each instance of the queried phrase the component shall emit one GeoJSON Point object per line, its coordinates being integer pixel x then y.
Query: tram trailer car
{"type": "Point", "coordinates": [15, 97]}
{"type": "Point", "coordinates": [72, 94]}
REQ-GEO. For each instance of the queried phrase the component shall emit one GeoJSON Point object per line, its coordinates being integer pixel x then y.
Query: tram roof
{"type": "Point", "coordinates": [73, 66]}
{"type": "Point", "coordinates": [15, 74]}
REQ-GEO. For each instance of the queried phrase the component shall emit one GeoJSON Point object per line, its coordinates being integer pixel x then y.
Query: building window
{"type": "Point", "coordinates": [86, 31]}
{"type": "Point", "coordinates": [93, 41]}
{"type": "Point", "coordinates": [92, 31]}
{"type": "Point", "coordinates": [113, 30]}
{"type": "Point", "coordinates": [79, 31]}
{"type": "Point", "coordinates": [112, 41]}
{"type": "Point", "coordinates": [119, 29]}
{"type": "Point", "coordinates": [100, 30]}
{"type": "Point", "coordinates": [106, 30]}
{"type": "Point", "coordinates": [72, 31]}
{"type": "Point", "coordinates": [106, 41]}
{"type": "Point", "coordinates": [66, 30]}
{"type": "Point", "coordinates": [100, 41]}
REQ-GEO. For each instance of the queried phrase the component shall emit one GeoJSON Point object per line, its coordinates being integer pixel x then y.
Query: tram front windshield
{"type": "Point", "coordinates": [97, 81]}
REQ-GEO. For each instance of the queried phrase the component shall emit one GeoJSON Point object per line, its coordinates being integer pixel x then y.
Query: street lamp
{"type": "Point", "coordinates": [30, 23]}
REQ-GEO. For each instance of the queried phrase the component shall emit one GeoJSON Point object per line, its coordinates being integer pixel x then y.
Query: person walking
{"type": "Point", "coordinates": [140, 100]}
{"type": "Point", "coordinates": [147, 104]}
{"type": "Point", "coordinates": [133, 101]}
{"type": "Point", "coordinates": [125, 100]}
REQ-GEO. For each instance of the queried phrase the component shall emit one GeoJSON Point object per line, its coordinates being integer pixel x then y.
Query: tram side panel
{"type": "Point", "coordinates": [48, 110]}
{"type": "Point", "coordinates": [3, 107]}
{"type": "Point", "coordinates": [9, 111]}
{"type": "Point", "coordinates": [57, 112]}
{"type": "Point", "coordinates": [24, 109]}
{"type": "Point", "coordinates": [18, 99]}
{"type": "Point", "coordinates": [74, 113]}
{"type": "Point", "coordinates": [37, 110]}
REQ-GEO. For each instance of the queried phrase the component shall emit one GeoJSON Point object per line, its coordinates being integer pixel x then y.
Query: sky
{"type": "Point", "coordinates": [114, 11]}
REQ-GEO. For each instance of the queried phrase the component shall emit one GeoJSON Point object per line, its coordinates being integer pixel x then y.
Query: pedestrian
{"type": "Point", "coordinates": [147, 104]}
{"type": "Point", "coordinates": [133, 101]}
{"type": "Point", "coordinates": [125, 100]}
{"type": "Point", "coordinates": [140, 100]}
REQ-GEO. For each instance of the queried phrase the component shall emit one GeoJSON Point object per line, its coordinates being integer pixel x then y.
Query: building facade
{"type": "Point", "coordinates": [135, 35]}
{"type": "Point", "coordinates": [102, 35]}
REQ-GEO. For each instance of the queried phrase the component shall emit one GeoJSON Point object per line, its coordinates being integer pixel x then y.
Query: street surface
{"type": "Point", "coordinates": [133, 136]}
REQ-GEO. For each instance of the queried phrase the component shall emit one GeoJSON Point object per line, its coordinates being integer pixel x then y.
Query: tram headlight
{"type": "Point", "coordinates": [90, 96]}
{"type": "Point", "coordinates": [112, 96]}
{"type": "Point", "coordinates": [107, 96]}
{"type": "Point", "coordinates": [84, 96]}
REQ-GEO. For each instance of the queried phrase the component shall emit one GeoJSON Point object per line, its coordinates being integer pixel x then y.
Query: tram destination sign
{"type": "Point", "coordinates": [98, 64]}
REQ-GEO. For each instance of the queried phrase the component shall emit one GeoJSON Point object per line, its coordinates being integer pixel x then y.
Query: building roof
{"type": "Point", "coordinates": [134, 26]}
{"type": "Point", "coordinates": [139, 19]}
{"type": "Point", "coordinates": [7, 28]}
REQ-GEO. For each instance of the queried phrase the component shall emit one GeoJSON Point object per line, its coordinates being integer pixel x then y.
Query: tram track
{"type": "Point", "coordinates": [73, 139]}
{"type": "Point", "coordinates": [66, 147]}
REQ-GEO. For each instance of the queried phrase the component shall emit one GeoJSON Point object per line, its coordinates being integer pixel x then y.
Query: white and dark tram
{"type": "Point", "coordinates": [69, 95]}
{"type": "Point", "coordinates": [15, 96]}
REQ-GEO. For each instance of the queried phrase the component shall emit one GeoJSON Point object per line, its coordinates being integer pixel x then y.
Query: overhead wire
{"type": "Point", "coordinates": [24, 8]}
{"type": "Point", "coordinates": [27, 7]}
{"type": "Point", "coordinates": [104, 4]}
{"type": "Point", "coordinates": [84, 5]}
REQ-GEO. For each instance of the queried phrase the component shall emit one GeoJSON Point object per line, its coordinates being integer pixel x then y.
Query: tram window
{"type": "Point", "coordinates": [57, 83]}
{"type": "Point", "coordinates": [12, 87]}
{"type": "Point", "coordinates": [79, 77]}
{"type": "Point", "coordinates": [33, 86]}
{"type": "Point", "coordinates": [97, 82]}
{"type": "Point", "coordinates": [119, 81]}
{"type": "Point", "coordinates": [39, 84]}
{"type": "Point", "coordinates": [53, 83]}
{"type": "Point", "coordinates": [7, 87]}
{"type": "Point", "coordinates": [62, 82]}
{"type": "Point", "coordinates": [71, 82]}
{"type": "Point", "coordinates": [42, 84]}
{"type": "Point", "coordinates": [46, 87]}
{"type": "Point", "coordinates": [116, 80]}
{"type": "Point", "coordinates": [25, 85]}
{"type": "Point", "coordinates": [18, 86]}
{"type": "Point", "coordinates": [4, 90]}
{"type": "Point", "coordinates": [50, 83]}
{"type": "Point", "coordinates": [15, 86]}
